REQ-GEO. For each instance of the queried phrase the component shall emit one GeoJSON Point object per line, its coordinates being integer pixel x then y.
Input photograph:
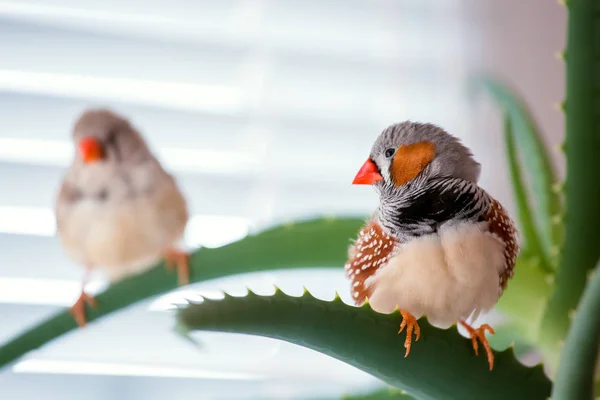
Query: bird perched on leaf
{"type": "Point", "coordinates": [117, 209]}
{"type": "Point", "coordinates": [438, 244]}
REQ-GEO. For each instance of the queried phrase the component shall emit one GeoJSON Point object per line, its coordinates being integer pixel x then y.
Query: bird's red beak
{"type": "Point", "coordinates": [367, 174]}
{"type": "Point", "coordinates": [90, 149]}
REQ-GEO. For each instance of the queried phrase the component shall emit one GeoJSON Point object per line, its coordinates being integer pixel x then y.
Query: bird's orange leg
{"type": "Point", "coordinates": [78, 309]}
{"type": "Point", "coordinates": [479, 333]}
{"type": "Point", "coordinates": [411, 324]}
{"type": "Point", "coordinates": [180, 259]}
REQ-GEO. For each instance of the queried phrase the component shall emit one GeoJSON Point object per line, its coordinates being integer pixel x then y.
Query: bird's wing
{"type": "Point", "coordinates": [372, 250]}
{"type": "Point", "coordinates": [501, 225]}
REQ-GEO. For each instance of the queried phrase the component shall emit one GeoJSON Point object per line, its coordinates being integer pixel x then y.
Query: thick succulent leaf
{"type": "Point", "coordinates": [546, 202]}
{"type": "Point", "coordinates": [390, 393]}
{"type": "Point", "coordinates": [509, 334]}
{"type": "Point", "coordinates": [581, 248]}
{"type": "Point", "coordinates": [524, 214]}
{"type": "Point", "coordinates": [311, 243]}
{"type": "Point", "coordinates": [525, 298]}
{"type": "Point", "coordinates": [441, 364]}
{"type": "Point", "coordinates": [575, 375]}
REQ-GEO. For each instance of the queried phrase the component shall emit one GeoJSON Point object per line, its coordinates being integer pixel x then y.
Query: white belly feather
{"type": "Point", "coordinates": [120, 239]}
{"type": "Point", "coordinates": [446, 276]}
{"type": "Point", "coordinates": [124, 235]}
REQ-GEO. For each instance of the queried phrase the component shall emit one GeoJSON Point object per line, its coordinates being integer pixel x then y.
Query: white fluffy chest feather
{"type": "Point", "coordinates": [447, 276]}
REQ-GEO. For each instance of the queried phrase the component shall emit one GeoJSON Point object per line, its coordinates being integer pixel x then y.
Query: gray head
{"type": "Point", "coordinates": [103, 136]}
{"type": "Point", "coordinates": [410, 150]}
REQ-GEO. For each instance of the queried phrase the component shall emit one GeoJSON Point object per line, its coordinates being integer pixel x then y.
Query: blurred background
{"type": "Point", "coordinates": [264, 110]}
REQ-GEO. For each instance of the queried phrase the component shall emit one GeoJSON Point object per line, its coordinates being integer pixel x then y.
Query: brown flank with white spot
{"type": "Point", "coordinates": [372, 250]}
{"type": "Point", "coordinates": [502, 226]}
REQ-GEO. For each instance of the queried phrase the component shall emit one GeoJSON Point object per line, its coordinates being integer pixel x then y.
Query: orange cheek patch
{"type": "Point", "coordinates": [410, 160]}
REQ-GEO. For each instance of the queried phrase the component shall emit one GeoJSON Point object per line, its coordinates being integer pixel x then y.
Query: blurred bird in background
{"type": "Point", "coordinates": [437, 245]}
{"type": "Point", "coordinates": [117, 209]}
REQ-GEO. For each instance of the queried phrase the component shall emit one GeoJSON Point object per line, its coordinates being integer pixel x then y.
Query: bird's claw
{"type": "Point", "coordinates": [410, 323]}
{"type": "Point", "coordinates": [78, 309]}
{"type": "Point", "coordinates": [179, 259]}
{"type": "Point", "coordinates": [479, 333]}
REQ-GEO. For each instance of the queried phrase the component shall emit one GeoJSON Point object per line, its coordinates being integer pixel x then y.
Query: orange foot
{"type": "Point", "coordinates": [179, 259]}
{"type": "Point", "coordinates": [479, 333]}
{"type": "Point", "coordinates": [78, 309]}
{"type": "Point", "coordinates": [410, 322]}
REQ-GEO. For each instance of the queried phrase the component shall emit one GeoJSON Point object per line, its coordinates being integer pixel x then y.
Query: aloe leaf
{"type": "Point", "coordinates": [508, 335]}
{"type": "Point", "coordinates": [319, 242]}
{"type": "Point", "coordinates": [575, 375]}
{"type": "Point", "coordinates": [524, 213]}
{"type": "Point", "coordinates": [441, 365]}
{"type": "Point", "coordinates": [546, 202]}
{"type": "Point", "coordinates": [525, 298]}
{"type": "Point", "coordinates": [389, 393]}
{"type": "Point", "coordinates": [581, 247]}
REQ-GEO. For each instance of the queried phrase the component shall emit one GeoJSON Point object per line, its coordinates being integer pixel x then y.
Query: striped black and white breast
{"type": "Point", "coordinates": [437, 202]}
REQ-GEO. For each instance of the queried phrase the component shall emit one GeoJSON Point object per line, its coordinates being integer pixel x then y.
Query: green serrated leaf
{"type": "Point", "coordinates": [580, 250]}
{"type": "Point", "coordinates": [526, 296]}
{"type": "Point", "coordinates": [524, 214]}
{"type": "Point", "coordinates": [441, 365]}
{"type": "Point", "coordinates": [546, 203]}
{"type": "Point", "coordinates": [510, 334]}
{"type": "Point", "coordinates": [390, 393]}
{"type": "Point", "coordinates": [311, 243]}
{"type": "Point", "coordinates": [183, 332]}
{"type": "Point", "coordinates": [575, 375]}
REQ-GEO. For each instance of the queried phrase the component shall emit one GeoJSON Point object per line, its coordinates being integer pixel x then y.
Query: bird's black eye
{"type": "Point", "coordinates": [111, 138]}
{"type": "Point", "coordinates": [389, 152]}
